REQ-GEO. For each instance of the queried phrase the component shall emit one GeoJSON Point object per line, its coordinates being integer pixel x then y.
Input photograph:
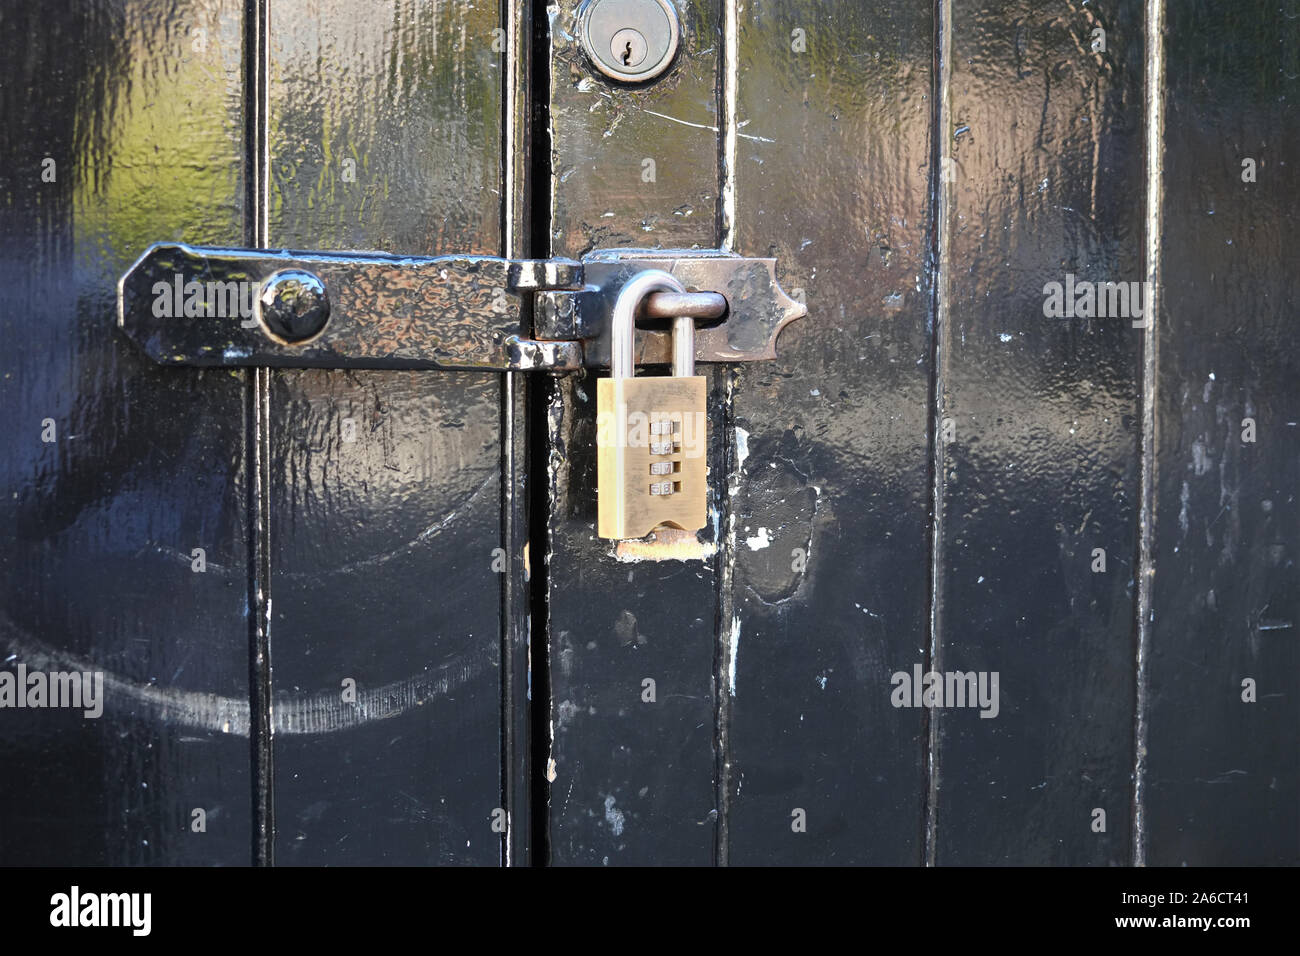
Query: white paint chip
{"type": "Point", "coordinates": [735, 652]}
{"type": "Point", "coordinates": [613, 816]}
{"type": "Point", "coordinates": [742, 447]}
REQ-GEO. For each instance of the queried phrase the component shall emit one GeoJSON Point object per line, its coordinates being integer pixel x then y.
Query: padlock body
{"type": "Point", "coordinates": [652, 455]}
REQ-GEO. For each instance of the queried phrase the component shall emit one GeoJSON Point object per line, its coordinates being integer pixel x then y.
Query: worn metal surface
{"type": "Point", "coordinates": [758, 309]}
{"type": "Point", "coordinates": [632, 41]}
{"type": "Point", "coordinates": [691, 305]}
{"type": "Point", "coordinates": [202, 306]}
{"type": "Point", "coordinates": [444, 312]}
{"type": "Point", "coordinates": [630, 503]}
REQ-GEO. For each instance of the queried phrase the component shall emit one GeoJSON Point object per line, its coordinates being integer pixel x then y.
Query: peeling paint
{"type": "Point", "coordinates": [742, 447]}
{"type": "Point", "coordinates": [666, 544]}
{"type": "Point", "coordinates": [732, 644]}
{"type": "Point", "coordinates": [614, 817]}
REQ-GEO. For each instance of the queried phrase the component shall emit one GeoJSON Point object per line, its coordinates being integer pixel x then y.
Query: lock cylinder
{"type": "Point", "coordinates": [631, 41]}
{"type": "Point", "coordinates": [651, 431]}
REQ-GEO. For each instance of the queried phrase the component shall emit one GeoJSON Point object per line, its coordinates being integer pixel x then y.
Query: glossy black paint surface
{"type": "Point", "coordinates": [829, 486]}
{"type": "Point", "coordinates": [1046, 143]}
{"type": "Point", "coordinates": [385, 500]}
{"type": "Point", "coordinates": [386, 489]}
{"type": "Point", "coordinates": [1224, 775]}
{"type": "Point", "coordinates": [146, 464]}
{"type": "Point", "coordinates": [926, 474]}
{"type": "Point", "coordinates": [921, 477]}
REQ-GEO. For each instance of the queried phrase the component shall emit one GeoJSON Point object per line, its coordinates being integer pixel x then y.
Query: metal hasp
{"type": "Point", "coordinates": [757, 307]}
{"type": "Point", "coordinates": [190, 305]}
{"type": "Point", "coordinates": [187, 305]}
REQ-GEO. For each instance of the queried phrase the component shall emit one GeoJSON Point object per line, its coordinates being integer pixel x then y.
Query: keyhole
{"type": "Point", "coordinates": [627, 50]}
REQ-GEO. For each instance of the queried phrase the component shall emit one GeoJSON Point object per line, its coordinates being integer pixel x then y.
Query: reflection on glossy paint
{"type": "Point", "coordinates": [142, 125]}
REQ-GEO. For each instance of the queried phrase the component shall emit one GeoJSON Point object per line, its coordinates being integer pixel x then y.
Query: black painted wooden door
{"type": "Point", "coordinates": [363, 617]}
{"type": "Point", "coordinates": [301, 586]}
{"type": "Point", "coordinates": [936, 475]}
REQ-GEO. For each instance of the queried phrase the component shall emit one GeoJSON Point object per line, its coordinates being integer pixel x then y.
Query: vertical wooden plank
{"type": "Point", "coordinates": [123, 127]}
{"type": "Point", "coordinates": [1040, 476]}
{"type": "Point", "coordinates": [1223, 774]}
{"type": "Point", "coordinates": [830, 484]}
{"type": "Point", "coordinates": [386, 126]}
{"type": "Point", "coordinates": [631, 781]}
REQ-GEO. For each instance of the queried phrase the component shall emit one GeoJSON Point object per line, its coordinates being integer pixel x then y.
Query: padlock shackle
{"type": "Point", "coordinates": [622, 336]}
{"type": "Point", "coordinates": [683, 346]}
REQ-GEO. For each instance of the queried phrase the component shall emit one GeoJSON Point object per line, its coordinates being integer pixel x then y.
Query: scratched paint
{"type": "Point", "coordinates": [320, 713]}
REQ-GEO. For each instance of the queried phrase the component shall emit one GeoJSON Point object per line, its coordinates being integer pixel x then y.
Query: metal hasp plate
{"type": "Point", "coordinates": [757, 307]}
{"type": "Point", "coordinates": [189, 305]}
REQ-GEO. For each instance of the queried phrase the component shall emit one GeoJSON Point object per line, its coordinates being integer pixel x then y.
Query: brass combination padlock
{"type": "Point", "coordinates": [651, 432]}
